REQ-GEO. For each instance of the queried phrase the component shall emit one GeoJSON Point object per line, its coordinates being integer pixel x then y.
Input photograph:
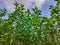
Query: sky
{"type": "Point", "coordinates": [43, 5]}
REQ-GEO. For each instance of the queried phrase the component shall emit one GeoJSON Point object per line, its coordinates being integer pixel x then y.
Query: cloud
{"type": "Point", "coordinates": [27, 3]}
{"type": "Point", "coordinates": [9, 4]}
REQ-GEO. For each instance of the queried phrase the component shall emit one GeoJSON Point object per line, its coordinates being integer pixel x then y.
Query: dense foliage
{"type": "Point", "coordinates": [24, 27]}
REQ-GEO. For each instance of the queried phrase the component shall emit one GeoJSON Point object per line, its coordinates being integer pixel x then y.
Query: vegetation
{"type": "Point", "coordinates": [24, 27]}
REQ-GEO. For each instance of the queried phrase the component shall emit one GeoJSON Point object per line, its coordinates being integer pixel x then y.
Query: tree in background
{"type": "Point", "coordinates": [24, 27]}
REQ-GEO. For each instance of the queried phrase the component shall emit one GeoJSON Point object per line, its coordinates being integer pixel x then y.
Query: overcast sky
{"type": "Point", "coordinates": [43, 5]}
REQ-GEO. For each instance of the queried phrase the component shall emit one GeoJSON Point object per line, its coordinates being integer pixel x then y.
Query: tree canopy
{"type": "Point", "coordinates": [24, 27]}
